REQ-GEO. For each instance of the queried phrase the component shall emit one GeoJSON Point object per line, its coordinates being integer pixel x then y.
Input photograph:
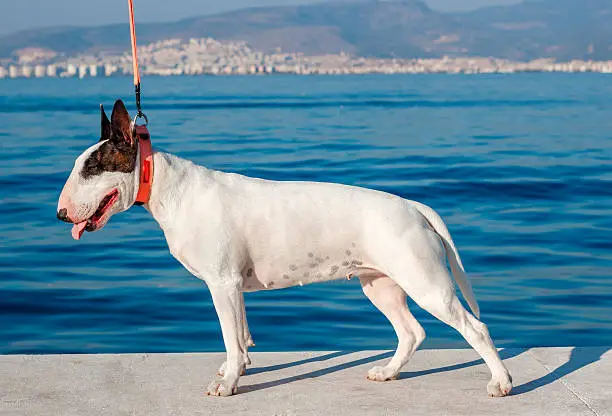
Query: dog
{"type": "Point", "coordinates": [240, 234]}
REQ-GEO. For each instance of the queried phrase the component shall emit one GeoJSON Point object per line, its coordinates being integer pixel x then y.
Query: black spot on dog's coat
{"type": "Point", "coordinates": [110, 157]}
{"type": "Point", "coordinates": [119, 150]}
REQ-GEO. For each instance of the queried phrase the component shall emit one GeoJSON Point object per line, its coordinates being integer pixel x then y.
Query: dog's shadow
{"type": "Point", "coordinates": [579, 358]}
{"type": "Point", "coordinates": [311, 374]}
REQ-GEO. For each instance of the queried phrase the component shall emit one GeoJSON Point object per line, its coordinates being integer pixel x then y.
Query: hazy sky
{"type": "Point", "coordinates": [25, 14]}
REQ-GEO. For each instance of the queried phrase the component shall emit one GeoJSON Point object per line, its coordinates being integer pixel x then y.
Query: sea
{"type": "Point", "coordinates": [519, 166]}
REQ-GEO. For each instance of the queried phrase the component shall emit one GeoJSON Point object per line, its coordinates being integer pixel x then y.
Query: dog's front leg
{"type": "Point", "coordinates": [229, 305]}
{"type": "Point", "coordinates": [248, 342]}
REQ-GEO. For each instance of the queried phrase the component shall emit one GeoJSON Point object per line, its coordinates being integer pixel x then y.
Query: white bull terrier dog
{"type": "Point", "coordinates": [241, 234]}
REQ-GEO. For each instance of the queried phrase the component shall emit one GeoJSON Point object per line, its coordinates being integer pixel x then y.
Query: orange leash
{"type": "Point", "coordinates": [134, 50]}
{"type": "Point", "coordinates": [141, 132]}
{"type": "Point", "coordinates": [135, 60]}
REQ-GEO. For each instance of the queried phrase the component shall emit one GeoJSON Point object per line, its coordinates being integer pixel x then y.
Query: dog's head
{"type": "Point", "coordinates": [104, 180]}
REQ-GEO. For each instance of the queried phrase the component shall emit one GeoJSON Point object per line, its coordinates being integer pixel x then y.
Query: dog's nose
{"type": "Point", "coordinates": [62, 214]}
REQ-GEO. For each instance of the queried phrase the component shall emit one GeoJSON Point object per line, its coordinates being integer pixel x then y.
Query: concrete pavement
{"type": "Point", "coordinates": [548, 381]}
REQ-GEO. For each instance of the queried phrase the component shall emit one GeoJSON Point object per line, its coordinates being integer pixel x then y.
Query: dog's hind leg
{"type": "Point", "coordinates": [390, 299]}
{"type": "Point", "coordinates": [248, 339]}
{"type": "Point", "coordinates": [446, 307]}
{"type": "Point", "coordinates": [423, 275]}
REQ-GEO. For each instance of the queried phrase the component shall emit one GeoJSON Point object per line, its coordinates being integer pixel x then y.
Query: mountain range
{"type": "Point", "coordinates": [560, 29]}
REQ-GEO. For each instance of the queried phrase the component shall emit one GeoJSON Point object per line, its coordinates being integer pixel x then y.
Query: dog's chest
{"type": "Point", "coordinates": [300, 270]}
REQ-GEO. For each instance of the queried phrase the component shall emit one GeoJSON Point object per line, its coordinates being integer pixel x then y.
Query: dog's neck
{"type": "Point", "coordinates": [172, 179]}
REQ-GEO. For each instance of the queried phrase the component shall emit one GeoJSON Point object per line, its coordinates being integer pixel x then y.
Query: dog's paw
{"type": "Point", "coordinates": [382, 374]}
{"type": "Point", "coordinates": [221, 371]}
{"type": "Point", "coordinates": [500, 386]}
{"type": "Point", "coordinates": [221, 387]}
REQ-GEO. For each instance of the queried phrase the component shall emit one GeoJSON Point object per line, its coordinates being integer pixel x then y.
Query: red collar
{"type": "Point", "coordinates": [146, 165]}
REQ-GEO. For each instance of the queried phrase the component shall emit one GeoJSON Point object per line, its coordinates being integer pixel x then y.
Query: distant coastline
{"type": "Point", "coordinates": [208, 56]}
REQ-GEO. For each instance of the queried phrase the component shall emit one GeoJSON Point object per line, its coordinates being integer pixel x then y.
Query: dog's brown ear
{"type": "Point", "coordinates": [105, 132]}
{"type": "Point", "coordinates": [121, 123]}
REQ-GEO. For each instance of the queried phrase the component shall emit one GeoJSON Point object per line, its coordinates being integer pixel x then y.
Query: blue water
{"type": "Point", "coordinates": [519, 166]}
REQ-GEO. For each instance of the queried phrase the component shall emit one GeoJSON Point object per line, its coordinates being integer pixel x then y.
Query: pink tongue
{"type": "Point", "coordinates": [78, 229]}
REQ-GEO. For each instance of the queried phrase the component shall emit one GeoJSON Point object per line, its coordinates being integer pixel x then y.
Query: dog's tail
{"type": "Point", "coordinates": [451, 252]}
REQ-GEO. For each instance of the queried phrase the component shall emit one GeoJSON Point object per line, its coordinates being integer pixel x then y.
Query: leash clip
{"type": "Point", "coordinates": [140, 114]}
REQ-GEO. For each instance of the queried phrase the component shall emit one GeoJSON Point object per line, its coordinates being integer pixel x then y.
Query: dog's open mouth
{"type": "Point", "coordinates": [91, 224]}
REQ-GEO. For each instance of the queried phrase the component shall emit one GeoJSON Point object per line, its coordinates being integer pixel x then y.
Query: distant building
{"type": "Point", "coordinates": [109, 70]}
{"type": "Point", "coordinates": [82, 71]}
{"type": "Point", "coordinates": [27, 71]}
{"type": "Point", "coordinates": [40, 71]}
{"type": "Point", "coordinates": [71, 70]}
{"type": "Point", "coordinates": [51, 71]}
